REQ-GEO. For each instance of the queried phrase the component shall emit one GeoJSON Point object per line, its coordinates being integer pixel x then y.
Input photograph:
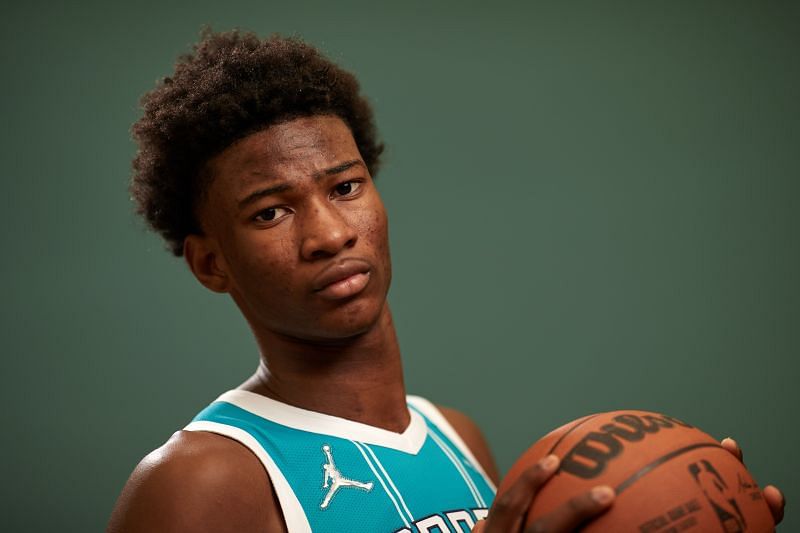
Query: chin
{"type": "Point", "coordinates": [350, 323]}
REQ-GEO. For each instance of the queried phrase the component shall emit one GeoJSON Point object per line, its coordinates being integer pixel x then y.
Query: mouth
{"type": "Point", "coordinates": [342, 279]}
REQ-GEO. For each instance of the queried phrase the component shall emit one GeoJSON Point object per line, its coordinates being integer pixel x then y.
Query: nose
{"type": "Point", "coordinates": [326, 232]}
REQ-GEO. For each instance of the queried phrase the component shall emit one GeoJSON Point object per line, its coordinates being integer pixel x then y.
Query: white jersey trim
{"type": "Point", "coordinates": [435, 416]}
{"type": "Point", "coordinates": [409, 441]}
{"type": "Point", "coordinates": [293, 514]}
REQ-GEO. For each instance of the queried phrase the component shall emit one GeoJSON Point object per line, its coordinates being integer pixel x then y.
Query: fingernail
{"type": "Point", "coordinates": [550, 462]}
{"type": "Point", "coordinates": [776, 490]}
{"type": "Point", "coordinates": [732, 441]}
{"type": "Point", "coordinates": [602, 494]}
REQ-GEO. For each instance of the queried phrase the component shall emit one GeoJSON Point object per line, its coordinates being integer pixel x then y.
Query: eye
{"type": "Point", "coordinates": [271, 214]}
{"type": "Point", "coordinates": [346, 188]}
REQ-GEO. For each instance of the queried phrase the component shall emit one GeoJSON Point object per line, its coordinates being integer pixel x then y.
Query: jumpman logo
{"type": "Point", "coordinates": [334, 480]}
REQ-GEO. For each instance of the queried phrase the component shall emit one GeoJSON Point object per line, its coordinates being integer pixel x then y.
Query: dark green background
{"type": "Point", "coordinates": [593, 206]}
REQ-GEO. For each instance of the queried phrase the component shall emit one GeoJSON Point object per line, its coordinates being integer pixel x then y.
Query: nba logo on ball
{"type": "Point", "coordinates": [668, 475]}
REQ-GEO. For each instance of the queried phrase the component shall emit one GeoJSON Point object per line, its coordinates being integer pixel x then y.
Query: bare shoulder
{"type": "Point", "coordinates": [472, 436]}
{"type": "Point", "coordinates": [198, 482]}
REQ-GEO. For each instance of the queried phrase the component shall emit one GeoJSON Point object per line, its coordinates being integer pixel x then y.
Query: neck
{"type": "Point", "coordinates": [360, 380]}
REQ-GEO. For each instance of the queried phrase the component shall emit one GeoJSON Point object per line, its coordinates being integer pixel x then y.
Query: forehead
{"type": "Point", "coordinates": [289, 150]}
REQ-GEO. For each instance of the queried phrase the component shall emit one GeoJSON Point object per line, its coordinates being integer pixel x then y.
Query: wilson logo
{"type": "Point", "coordinates": [589, 458]}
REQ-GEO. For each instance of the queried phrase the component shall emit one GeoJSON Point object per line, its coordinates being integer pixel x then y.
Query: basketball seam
{"type": "Point", "coordinates": [570, 430]}
{"type": "Point", "coordinates": [660, 461]}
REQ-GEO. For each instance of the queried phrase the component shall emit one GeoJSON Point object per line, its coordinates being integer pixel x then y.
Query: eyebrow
{"type": "Point", "coordinates": [283, 187]}
{"type": "Point", "coordinates": [261, 193]}
{"type": "Point", "coordinates": [339, 168]}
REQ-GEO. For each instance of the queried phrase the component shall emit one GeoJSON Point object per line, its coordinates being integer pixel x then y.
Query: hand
{"type": "Point", "coordinates": [774, 497]}
{"type": "Point", "coordinates": [508, 512]}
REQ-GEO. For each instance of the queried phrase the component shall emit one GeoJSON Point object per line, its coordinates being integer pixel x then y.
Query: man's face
{"type": "Point", "coordinates": [299, 230]}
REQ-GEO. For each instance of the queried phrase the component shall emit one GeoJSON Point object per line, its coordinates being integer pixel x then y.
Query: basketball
{"type": "Point", "coordinates": [668, 475]}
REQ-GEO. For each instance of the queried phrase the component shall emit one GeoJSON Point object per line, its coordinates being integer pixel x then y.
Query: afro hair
{"type": "Point", "coordinates": [233, 84]}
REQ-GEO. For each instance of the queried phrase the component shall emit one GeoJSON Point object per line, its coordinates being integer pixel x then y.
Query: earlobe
{"type": "Point", "coordinates": [206, 263]}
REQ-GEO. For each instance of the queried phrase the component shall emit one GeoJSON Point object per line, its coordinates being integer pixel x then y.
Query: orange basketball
{"type": "Point", "coordinates": [668, 476]}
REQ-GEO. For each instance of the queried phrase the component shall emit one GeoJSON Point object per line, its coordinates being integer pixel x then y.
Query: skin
{"type": "Point", "coordinates": [284, 205]}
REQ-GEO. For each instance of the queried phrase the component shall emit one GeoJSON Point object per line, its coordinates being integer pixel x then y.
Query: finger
{"type": "Point", "coordinates": [775, 501]}
{"type": "Point", "coordinates": [732, 446]}
{"type": "Point", "coordinates": [509, 509]}
{"type": "Point", "coordinates": [575, 512]}
{"type": "Point", "coordinates": [478, 528]}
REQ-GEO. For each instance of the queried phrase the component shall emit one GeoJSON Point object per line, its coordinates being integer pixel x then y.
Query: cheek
{"type": "Point", "coordinates": [264, 266]}
{"type": "Point", "coordinates": [375, 231]}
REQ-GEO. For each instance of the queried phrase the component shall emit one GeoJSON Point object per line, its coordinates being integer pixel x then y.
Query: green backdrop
{"type": "Point", "coordinates": [593, 206]}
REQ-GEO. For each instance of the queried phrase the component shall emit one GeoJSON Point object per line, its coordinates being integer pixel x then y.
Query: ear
{"type": "Point", "coordinates": [206, 262]}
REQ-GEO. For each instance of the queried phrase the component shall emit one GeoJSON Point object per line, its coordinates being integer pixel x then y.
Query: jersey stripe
{"type": "Point", "coordinates": [435, 418]}
{"type": "Point", "coordinates": [383, 484]}
{"type": "Point", "coordinates": [453, 459]}
{"type": "Point", "coordinates": [389, 479]}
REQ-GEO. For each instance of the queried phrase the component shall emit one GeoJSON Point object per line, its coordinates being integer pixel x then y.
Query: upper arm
{"type": "Point", "coordinates": [474, 439]}
{"type": "Point", "coordinates": [198, 482]}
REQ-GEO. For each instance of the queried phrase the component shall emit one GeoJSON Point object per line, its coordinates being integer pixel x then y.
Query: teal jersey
{"type": "Point", "coordinates": [336, 475]}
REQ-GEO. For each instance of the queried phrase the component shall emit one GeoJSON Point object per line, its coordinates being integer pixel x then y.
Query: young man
{"type": "Point", "coordinates": [256, 164]}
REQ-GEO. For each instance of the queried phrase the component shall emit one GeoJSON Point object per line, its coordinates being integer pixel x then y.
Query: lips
{"type": "Point", "coordinates": [342, 279]}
